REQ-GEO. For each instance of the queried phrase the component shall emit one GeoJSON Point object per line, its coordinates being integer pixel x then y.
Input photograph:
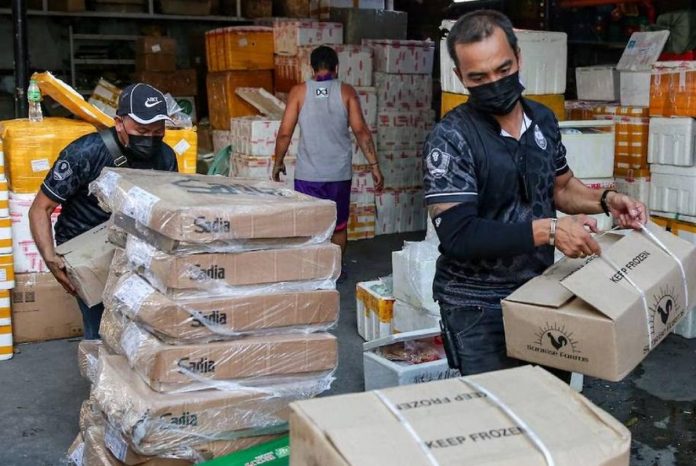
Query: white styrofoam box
{"type": "Point", "coordinates": [403, 130]}
{"type": "Point", "coordinates": [597, 83]}
{"type": "Point", "coordinates": [544, 58]}
{"type": "Point", "coordinates": [401, 169]}
{"type": "Point", "coordinates": [577, 381]}
{"type": "Point", "coordinates": [400, 211]}
{"type": "Point", "coordinates": [221, 139]}
{"type": "Point", "coordinates": [687, 326]}
{"type": "Point", "coordinates": [322, 8]}
{"type": "Point", "coordinates": [673, 189]}
{"type": "Point", "coordinates": [402, 56]}
{"type": "Point", "coordinates": [403, 92]}
{"type": "Point", "coordinates": [413, 270]}
{"type": "Point", "coordinates": [635, 88]}
{"type": "Point", "coordinates": [354, 64]}
{"type": "Point", "coordinates": [672, 141]}
{"type": "Point", "coordinates": [368, 104]}
{"type": "Point", "coordinates": [590, 147]}
{"type": "Point", "coordinates": [408, 318]}
{"type": "Point", "coordinates": [288, 35]}
{"type": "Point", "coordinates": [256, 136]}
{"type": "Point", "coordinates": [637, 188]}
{"type": "Point", "coordinates": [374, 309]}
{"type": "Point", "coordinates": [362, 220]}
{"type": "Point", "coordinates": [260, 168]}
{"type": "Point", "coordinates": [27, 258]}
{"type": "Point", "coordinates": [599, 183]}
{"type": "Point", "coordinates": [381, 372]}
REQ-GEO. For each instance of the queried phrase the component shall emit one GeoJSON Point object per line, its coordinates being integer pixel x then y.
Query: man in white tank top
{"type": "Point", "coordinates": [325, 109]}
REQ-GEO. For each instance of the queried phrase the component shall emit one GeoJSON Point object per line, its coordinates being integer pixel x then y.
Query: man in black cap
{"type": "Point", "coordinates": [134, 142]}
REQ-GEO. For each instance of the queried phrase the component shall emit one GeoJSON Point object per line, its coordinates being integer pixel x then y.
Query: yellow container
{"type": "Point", "coordinates": [556, 102]}
{"type": "Point", "coordinates": [5, 326]}
{"type": "Point", "coordinates": [4, 198]}
{"type": "Point", "coordinates": [32, 148]}
{"type": "Point", "coordinates": [7, 277]}
{"type": "Point", "coordinates": [184, 142]}
{"type": "Point", "coordinates": [248, 48]}
{"type": "Point", "coordinates": [5, 235]}
{"type": "Point", "coordinates": [2, 160]}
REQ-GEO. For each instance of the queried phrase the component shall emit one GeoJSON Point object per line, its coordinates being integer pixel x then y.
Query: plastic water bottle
{"type": "Point", "coordinates": [34, 99]}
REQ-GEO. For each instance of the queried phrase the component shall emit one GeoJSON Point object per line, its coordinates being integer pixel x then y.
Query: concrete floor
{"type": "Point", "coordinates": [41, 389]}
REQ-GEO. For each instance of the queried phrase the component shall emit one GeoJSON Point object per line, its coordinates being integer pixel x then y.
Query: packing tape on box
{"type": "Point", "coordinates": [533, 436]}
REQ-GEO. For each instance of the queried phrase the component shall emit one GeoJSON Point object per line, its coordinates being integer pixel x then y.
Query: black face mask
{"type": "Point", "coordinates": [498, 97]}
{"type": "Point", "coordinates": [144, 147]}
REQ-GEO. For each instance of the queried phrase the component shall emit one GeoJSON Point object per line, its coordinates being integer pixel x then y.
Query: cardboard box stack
{"type": "Point", "coordinates": [460, 421]}
{"type": "Point", "coordinates": [544, 57]}
{"type": "Point", "coordinates": [41, 310]}
{"type": "Point", "coordinates": [6, 346]}
{"type": "Point", "coordinates": [404, 98]}
{"type": "Point", "coordinates": [239, 56]}
{"type": "Point", "coordinates": [295, 37]}
{"type": "Point", "coordinates": [216, 310]}
{"type": "Point", "coordinates": [253, 139]}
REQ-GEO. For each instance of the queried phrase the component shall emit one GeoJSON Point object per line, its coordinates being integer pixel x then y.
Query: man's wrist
{"type": "Point", "coordinates": [606, 200]}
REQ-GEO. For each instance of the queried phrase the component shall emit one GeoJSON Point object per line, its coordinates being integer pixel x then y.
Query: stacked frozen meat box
{"type": "Point", "coordinates": [6, 347]}
{"type": "Point", "coordinates": [217, 311]}
{"type": "Point", "coordinates": [403, 82]}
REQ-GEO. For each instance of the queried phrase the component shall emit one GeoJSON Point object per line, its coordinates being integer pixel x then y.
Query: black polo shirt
{"type": "Point", "coordinates": [468, 160]}
{"type": "Point", "coordinates": [80, 163]}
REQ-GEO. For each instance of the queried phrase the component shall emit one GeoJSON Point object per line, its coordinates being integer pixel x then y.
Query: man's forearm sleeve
{"type": "Point", "coordinates": [465, 236]}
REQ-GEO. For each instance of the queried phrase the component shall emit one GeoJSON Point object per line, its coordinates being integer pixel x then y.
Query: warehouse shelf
{"type": "Point", "coordinates": [107, 37]}
{"type": "Point", "coordinates": [139, 16]}
{"type": "Point", "coordinates": [103, 61]}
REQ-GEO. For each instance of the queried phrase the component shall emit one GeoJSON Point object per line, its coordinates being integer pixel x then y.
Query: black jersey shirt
{"type": "Point", "coordinates": [468, 160]}
{"type": "Point", "coordinates": [80, 163]}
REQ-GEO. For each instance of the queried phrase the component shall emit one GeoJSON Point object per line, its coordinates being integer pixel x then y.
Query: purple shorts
{"type": "Point", "coordinates": [337, 191]}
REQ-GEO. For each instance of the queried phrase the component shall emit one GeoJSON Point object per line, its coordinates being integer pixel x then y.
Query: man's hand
{"type": "Point", "coordinates": [57, 268]}
{"type": "Point", "coordinates": [378, 178]}
{"type": "Point", "coordinates": [573, 236]}
{"type": "Point", "coordinates": [278, 168]}
{"type": "Point", "coordinates": [629, 212]}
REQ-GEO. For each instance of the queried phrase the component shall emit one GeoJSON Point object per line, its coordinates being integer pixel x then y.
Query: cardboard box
{"type": "Point", "coordinates": [374, 309]}
{"type": "Point", "coordinates": [42, 310]}
{"type": "Point", "coordinates": [31, 149]}
{"type": "Point", "coordinates": [457, 423]}
{"type": "Point", "coordinates": [105, 97]}
{"type": "Point", "coordinates": [27, 258]}
{"type": "Point", "coordinates": [177, 83]}
{"type": "Point", "coordinates": [355, 64]}
{"type": "Point", "coordinates": [405, 359]}
{"type": "Point", "coordinates": [87, 259]}
{"type": "Point", "coordinates": [255, 136]}
{"type": "Point", "coordinates": [211, 318]}
{"type": "Point", "coordinates": [204, 209]}
{"type": "Point", "coordinates": [400, 211]}
{"type": "Point", "coordinates": [289, 35]}
{"type": "Point", "coordinates": [224, 103]}
{"type": "Point", "coordinates": [155, 62]}
{"type": "Point", "coordinates": [359, 24]}
{"type": "Point", "coordinates": [88, 357]}
{"type": "Point", "coordinates": [253, 361]}
{"type": "Point", "coordinates": [585, 316]}
{"type": "Point", "coordinates": [402, 56]}
{"type": "Point", "coordinates": [155, 45]}
{"type": "Point", "coordinates": [403, 131]}
{"type": "Point", "coordinates": [555, 102]}
{"type": "Point", "coordinates": [403, 92]}
{"type": "Point", "coordinates": [590, 147]}
{"type": "Point", "coordinates": [261, 168]}
{"type": "Point", "coordinates": [368, 104]}
{"type": "Point", "coordinates": [544, 54]}
{"type": "Point", "coordinates": [362, 221]}
{"type": "Point", "coordinates": [266, 269]}
{"type": "Point", "coordinates": [597, 83]}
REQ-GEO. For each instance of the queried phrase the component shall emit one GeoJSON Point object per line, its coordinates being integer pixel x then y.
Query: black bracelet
{"type": "Point", "coordinates": [603, 200]}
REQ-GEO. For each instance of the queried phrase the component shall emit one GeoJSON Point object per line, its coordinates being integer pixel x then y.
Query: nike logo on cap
{"type": "Point", "coordinates": [149, 103]}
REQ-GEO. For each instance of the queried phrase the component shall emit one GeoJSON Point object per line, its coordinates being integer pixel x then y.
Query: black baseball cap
{"type": "Point", "coordinates": [143, 103]}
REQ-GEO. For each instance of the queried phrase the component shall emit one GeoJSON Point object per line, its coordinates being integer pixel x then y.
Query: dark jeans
{"type": "Point", "coordinates": [91, 319]}
{"type": "Point", "coordinates": [479, 339]}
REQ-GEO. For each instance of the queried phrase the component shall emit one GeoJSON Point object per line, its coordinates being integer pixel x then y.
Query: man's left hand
{"type": "Point", "coordinates": [629, 212]}
{"type": "Point", "coordinates": [278, 168]}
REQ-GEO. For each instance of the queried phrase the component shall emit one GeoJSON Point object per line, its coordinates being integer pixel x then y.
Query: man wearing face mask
{"type": "Point", "coordinates": [134, 142]}
{"type": "Point", "coordinates": [495, 172]}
